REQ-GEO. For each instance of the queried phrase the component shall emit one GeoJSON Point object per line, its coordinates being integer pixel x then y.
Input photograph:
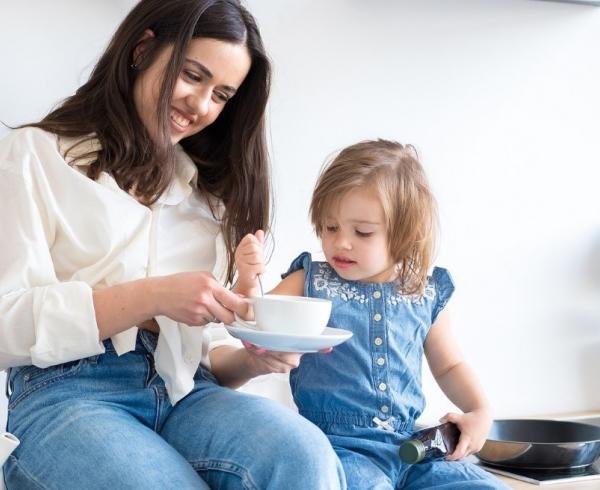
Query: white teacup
{"type": "Point", "coordinates": [8, 444]}
{"type": "Point", "coordinates": [295, 315]}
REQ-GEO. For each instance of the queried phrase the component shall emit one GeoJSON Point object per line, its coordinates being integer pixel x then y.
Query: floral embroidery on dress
{"type": "Point", "coordinates": [324, 280]}
{"type": "Point", "coordinates": [417, 299]}
{"type": "Point", "coordinates": [329, 282]}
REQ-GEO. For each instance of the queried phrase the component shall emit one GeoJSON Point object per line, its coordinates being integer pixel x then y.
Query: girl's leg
{"type": "Point", "coordinates": [368, 462]}
{"type": "Point", "coordinates": [236, 440]}
{"type": "Point", "coordinates": [450, 475]}
{"type": "Point", "coordinates": [361, 472]}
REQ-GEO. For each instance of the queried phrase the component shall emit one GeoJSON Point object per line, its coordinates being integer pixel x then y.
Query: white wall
{"type": "Point", "coordinates": [501, 98]}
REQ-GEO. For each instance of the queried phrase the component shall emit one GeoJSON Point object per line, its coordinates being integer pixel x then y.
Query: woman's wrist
{"type": "Point", "coordinates": [152, 290]}
{"type": "Point", "coordinates": [124, 305]}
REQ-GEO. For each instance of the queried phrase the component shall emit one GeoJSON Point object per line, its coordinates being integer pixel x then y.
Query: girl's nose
{"type": "Point", "coordinates": [342, 242]}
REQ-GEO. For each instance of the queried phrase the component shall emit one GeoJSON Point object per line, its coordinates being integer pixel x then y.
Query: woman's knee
{"type": "Point", "coordinates": [288, 443]}
{"type": "Point", "coordinates": [294, 444]}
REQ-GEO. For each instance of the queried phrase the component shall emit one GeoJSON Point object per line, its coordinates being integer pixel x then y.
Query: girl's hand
{"type": "Point", "coordinates": [249, 259]}
{"type": "Point", "coordinates": [265, 362]}
{"type": "Point", "coordinates": [194, 298]}
{"type": "Point", "coordinates": [474, 427]}
{"type": "Point", "coordinates": [262, 361]}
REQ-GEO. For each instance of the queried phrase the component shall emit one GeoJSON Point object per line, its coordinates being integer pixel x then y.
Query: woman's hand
{"type": "Point", "coordinates": [249, 260]}
{"type": "Point", "coordinates": [195, 298]}
{"type": "Point", "coordinates": [474, 427]}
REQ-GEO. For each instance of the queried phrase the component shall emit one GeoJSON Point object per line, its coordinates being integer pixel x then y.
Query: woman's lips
{"type": "Point", "coordinates": [179, 120]}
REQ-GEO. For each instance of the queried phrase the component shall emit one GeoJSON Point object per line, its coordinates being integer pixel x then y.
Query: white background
{"type": "Point", "coordinates": [501, 98]}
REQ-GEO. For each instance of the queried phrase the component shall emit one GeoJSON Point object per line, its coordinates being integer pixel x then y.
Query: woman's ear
{"type": "Point", "coordinates": [142, 46]}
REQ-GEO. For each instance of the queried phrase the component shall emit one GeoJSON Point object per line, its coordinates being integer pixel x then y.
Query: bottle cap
{"type": "Point", "coordinates": [412, 451]}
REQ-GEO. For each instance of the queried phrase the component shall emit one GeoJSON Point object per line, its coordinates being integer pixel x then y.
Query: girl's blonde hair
{"type": "Point", "coordinates": [394, 172]}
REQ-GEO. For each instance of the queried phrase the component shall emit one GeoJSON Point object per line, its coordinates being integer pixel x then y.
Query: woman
{"type": "Point", "coordinates": [112, 209]}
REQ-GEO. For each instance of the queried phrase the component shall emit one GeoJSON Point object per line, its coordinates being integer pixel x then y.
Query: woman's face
{"type": "Point", "coordinates": [212, 72]}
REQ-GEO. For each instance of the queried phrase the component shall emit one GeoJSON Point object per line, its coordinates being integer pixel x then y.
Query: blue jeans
{"type": "Point", "coordinates": [371, 462]}
{"type": "Point", "coordinates": [106, 422]}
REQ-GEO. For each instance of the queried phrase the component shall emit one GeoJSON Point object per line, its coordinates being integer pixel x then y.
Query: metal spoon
{"type": "Point", "coordinates": [262, 293]}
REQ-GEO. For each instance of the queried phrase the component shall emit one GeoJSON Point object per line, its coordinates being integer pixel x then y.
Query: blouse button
{"type": "Point", "coordinates": [378, 341]}
{"type": "Point", "coordinates": [382, 386]}
{"type": "Point", "coordinates": [381, 361]}
{"type": "Point", "coordinates": [377, 317]}
{"type": "Point", "coordinates": [377, 294]}
{"type": "Point", "coordinates": [385, 408]}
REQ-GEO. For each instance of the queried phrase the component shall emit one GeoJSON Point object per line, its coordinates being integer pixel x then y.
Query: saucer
{"type": "Point", "coordinates": [284, 342]}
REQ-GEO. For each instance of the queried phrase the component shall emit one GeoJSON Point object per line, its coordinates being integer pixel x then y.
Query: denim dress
{"type": "Point", "coordinates": [366, 394]}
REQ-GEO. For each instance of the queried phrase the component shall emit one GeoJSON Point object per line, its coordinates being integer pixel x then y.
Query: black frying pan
{"type": "Point", "coordinates": [541, 444]}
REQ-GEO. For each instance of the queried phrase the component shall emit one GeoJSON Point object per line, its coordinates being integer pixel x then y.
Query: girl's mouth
{"type": "Point", "coordinates": [343, 262]}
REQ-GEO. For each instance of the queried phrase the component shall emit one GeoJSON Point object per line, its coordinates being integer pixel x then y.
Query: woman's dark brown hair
{"type": "Point", "coordinates": [230, 154]}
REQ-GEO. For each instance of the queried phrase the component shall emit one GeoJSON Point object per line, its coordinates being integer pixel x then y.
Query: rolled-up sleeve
{"type": "Point", "coordinates": [43, 321]}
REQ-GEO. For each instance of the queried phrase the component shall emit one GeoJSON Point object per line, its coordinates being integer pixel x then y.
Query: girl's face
{"type": "Point", "coordinates": [213, 70]}
{"type": "Point", "coordinates": [354, 238]}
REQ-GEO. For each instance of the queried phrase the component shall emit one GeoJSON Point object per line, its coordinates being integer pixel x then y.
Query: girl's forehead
{"type": "Point", "coordinates": [360, 204]}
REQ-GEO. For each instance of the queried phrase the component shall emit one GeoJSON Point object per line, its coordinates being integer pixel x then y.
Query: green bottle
{"type": "Point", "coordinates": [430, 443]}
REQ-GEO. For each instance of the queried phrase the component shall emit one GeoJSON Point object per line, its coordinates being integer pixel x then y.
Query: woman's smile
{"type": "Point", "coordinates": [179, 121]}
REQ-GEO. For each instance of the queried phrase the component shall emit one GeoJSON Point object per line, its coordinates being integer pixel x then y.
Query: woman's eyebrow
{"type": "Point", "coordinates": [207, 73]}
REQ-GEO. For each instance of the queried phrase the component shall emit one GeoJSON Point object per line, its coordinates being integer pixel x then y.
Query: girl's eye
{"type": "Point", "coordinates": [363, 234]}
{"type": "Point", "coordinates": [331, 228]}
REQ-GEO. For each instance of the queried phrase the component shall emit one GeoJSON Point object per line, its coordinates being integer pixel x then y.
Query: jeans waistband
{"type": "Point", "coordinates": [145, 343]}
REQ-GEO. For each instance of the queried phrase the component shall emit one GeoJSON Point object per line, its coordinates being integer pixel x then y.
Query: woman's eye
{"type": "Point", "coordinates": [221, 97]}
{"type": "Point", "coordinates": [192, 76]}
{"type": "Point", "coordinates": [363, 234]}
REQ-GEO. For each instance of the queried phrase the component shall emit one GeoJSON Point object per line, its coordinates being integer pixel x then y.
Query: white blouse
{"type": "Point", "coordinates": [63, 235]}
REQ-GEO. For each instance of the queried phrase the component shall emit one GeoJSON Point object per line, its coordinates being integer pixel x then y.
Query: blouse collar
{"type": "Point", "coordinates": [184, 181]}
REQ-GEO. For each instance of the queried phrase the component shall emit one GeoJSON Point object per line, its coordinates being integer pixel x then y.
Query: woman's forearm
{"type": "Point", "coordinates": [124, 305]}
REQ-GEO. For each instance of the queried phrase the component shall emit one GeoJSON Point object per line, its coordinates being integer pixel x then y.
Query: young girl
{"type": "Point", "coordinates": [112, 210]}
{"type": "Point", "coordinates": [375, 216]}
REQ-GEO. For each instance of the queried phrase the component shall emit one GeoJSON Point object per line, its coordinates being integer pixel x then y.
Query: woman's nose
{"type": "Point", "coordinates": [199, 102]}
